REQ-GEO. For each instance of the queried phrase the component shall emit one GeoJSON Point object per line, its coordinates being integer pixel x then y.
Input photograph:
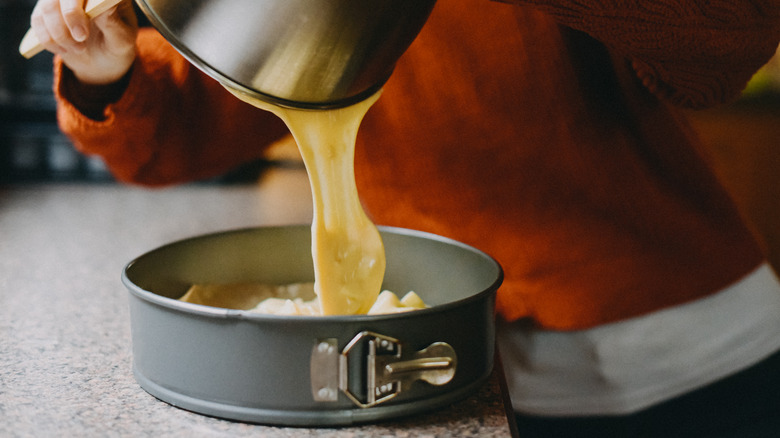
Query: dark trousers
{"type": "Point", "coordinates": [744, 405]}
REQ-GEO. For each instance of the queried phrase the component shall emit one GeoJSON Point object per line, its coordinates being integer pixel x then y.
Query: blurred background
{"type": "Point", "coordinates": [31, 147]}
{"type": "Point", "coordinates": [742, 139]}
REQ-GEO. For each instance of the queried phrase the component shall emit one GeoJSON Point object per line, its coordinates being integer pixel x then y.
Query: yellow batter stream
{"type": "Point", "coordinates": [348, 254]}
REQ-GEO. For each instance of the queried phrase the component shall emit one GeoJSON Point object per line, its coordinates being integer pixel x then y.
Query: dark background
{"type": "Point", "coordinates": [32, 149]}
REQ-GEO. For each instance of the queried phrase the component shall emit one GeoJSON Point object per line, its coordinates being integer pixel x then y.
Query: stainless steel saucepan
{"type": "Point", "coordinates": [297, 53]}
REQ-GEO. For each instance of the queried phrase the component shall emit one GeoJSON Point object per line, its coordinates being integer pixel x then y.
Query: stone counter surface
{"type": "Point", "coordinates": [65, 346]}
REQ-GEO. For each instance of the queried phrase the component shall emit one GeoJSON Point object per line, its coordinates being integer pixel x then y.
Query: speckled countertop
{"type": "Point", "coordinates": [65, 346]}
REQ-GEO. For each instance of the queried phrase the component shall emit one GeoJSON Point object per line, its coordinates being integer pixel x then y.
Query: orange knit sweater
{"type": "Point", "coordinates": [543, 133]}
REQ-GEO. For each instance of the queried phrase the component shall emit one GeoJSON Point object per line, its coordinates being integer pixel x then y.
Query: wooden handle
{"type": "Point", "coordinates": [30, 46]}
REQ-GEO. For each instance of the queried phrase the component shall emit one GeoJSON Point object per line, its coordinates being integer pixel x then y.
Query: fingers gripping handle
{"type": "Point", "coordinates": [30, 46]}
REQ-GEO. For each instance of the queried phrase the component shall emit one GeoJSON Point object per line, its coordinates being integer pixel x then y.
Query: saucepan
{"type": "Point", "coordinates": [311, 370]}
{"type": "Point", "coordinates": [296, 53]}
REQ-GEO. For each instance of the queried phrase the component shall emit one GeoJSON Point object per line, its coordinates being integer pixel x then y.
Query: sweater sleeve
{"type": "Point", "coordinates": [693, 53]}
{"type": "Point", "coordinates": [172, 124]}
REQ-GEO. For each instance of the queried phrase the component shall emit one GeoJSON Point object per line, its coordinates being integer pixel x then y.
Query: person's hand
{"type": "Point", "coordinates": [98, 51]}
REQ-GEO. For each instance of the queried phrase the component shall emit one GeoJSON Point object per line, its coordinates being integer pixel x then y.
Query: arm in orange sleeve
{"type": "Point", "coordinates": [693, 53]}
{"type": "Point", "coordinates": [171, 124]}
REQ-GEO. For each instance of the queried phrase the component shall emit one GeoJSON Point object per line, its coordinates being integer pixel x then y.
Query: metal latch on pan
{"type": "Point", "coordinates": [388, 370]}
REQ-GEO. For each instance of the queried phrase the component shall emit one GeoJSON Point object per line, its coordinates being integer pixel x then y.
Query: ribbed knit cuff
{"type": "Point", "coordinates": [90, 99]}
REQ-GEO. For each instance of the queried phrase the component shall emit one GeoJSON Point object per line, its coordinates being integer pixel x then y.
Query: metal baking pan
{"type": "Point", "coordinates": [311, 371]}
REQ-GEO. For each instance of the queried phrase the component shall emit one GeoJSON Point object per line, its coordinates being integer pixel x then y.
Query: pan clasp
{"type": "Point", "coordinates": [388, 370]}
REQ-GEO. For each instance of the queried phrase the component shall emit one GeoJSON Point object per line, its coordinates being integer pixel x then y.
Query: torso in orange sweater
{"type": "Point", "coordinates": [504, 129]}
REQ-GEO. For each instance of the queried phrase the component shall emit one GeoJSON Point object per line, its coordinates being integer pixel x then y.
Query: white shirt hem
{"type": "Point", "coordinates": [629, 365]}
